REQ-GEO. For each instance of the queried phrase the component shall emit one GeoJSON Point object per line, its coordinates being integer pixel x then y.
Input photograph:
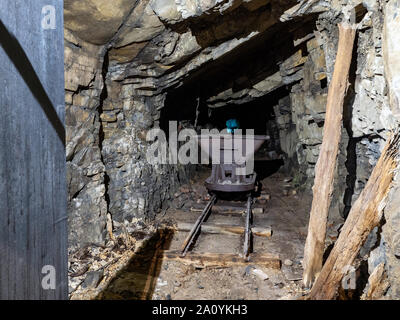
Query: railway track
{"type": "Point", "coordinates": [196, 229]}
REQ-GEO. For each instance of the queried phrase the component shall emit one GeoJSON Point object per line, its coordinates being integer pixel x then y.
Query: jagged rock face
{"type": "Point", "coordinates": [125, 59]}
{"type": "Point", "coordinates": [136, 188]}
{"type": "Point", "coordinates": [87, 208]}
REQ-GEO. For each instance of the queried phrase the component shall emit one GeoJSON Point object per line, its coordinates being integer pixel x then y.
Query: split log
{"type": "Point", "coordinates": [326, 164]}
{"type": "Point", "coordinates": [208, 259]}
{"type": "Point", "coordinates": [225, 229]}
{"type": "Point", "coordinates": [364, 215]}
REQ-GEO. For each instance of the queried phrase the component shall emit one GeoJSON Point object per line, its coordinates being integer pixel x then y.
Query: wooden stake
{"type": "Point", "coordinates": [364, 215]}
{"type": "Point", "coordinates": [325, 167]}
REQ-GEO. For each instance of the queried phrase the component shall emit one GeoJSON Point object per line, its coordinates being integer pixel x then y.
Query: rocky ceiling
{"type": "Point", "coordinates": [96, 21]}
{"type": "Point", "coordinates": [159, 44]}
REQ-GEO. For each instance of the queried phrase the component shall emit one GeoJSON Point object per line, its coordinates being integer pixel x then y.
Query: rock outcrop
{"type": "Point", "coordinates": [84, 84]}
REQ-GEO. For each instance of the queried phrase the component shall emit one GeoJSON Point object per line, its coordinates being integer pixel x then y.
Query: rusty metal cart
{"type": "Point", "coordinates": [231, 172]}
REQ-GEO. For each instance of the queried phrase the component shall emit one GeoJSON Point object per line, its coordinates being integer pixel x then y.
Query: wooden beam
{"type": "Point", "coordinates": [226, 209]}
{"type": "Point", "coordinates": [364, 215]}
{"type": "Point", "coordinates": [33, 205]}
{"type": "Point", "coordinates": [326, 164]}
{"type": "Point", "coordinates": [208, 259]}
{"type": "Point", "coordinates": [225, 229]}
{"type": "Point", "coordinates": [219, 209]}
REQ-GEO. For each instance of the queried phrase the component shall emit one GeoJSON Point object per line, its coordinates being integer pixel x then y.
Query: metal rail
{"type": "Point", "coordinates": [247, 234]}
{"type": "Point", "coordinates": [196, 227]}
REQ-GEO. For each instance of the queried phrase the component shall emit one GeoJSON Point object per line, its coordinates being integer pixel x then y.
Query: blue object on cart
{"type": "Point", "coordinates": [232, 124]}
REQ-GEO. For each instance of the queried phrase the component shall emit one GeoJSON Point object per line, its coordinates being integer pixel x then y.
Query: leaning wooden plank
{"type": "Point", "coordinates": [208, 259]}
{"type": "Point", "coordinates": [225, 229]}
{"type": "Point", "coordinates": [364, 215]}
{"type": "Point", "coordinates": [325, 167]}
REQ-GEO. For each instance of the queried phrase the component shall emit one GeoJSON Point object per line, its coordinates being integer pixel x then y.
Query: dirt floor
{"type": "Point", "coordinates": [150, 276]}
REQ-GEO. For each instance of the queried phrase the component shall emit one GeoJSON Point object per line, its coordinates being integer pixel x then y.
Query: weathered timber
{"type": "Point", "coordinates": [325, 167]}
{"type": "Point", "coordinates": [208, 259]}
{"type": "Point", "coordinates": [155, 262]}
{"type": "Point", "coordinates": [225, 229]}
{"type": "Point", "coordinates": [377, 283]}
{"type": "Point", "coordinates": [33, 217]}
{"type": "Point", "coordinates": [364, 215]}
{"type": "Point", "coordinates": [227, 209]}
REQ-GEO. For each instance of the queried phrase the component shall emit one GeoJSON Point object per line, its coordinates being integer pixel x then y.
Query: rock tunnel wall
{"type": "Point", "coordinates": [118, 78]}
{"type": "Point", "coordinates": [87, 206]}
{"type": "Point", "coordinates": [110, 182]}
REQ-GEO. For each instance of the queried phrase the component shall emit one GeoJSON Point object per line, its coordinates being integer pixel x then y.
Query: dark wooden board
{"type": "Point", "coordinates": [33, 217]}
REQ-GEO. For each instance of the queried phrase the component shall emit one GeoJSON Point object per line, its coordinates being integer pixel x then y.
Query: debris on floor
{"type": "Point", "coordinates": [153, 269]}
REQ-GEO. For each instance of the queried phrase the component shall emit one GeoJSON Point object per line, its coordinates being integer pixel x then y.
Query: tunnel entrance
{"type": "Point", "coordinates": [190, 109]}
{"type": "Point", "coordinates": [255, 84]}
{"type": "Point", "coordinates": [275, 84]}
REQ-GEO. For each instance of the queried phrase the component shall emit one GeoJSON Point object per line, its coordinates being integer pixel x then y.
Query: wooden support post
{"type": "Point", "coordinates": [325, 167]}
{"type": "Point", "coordinates": [364, 215]}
